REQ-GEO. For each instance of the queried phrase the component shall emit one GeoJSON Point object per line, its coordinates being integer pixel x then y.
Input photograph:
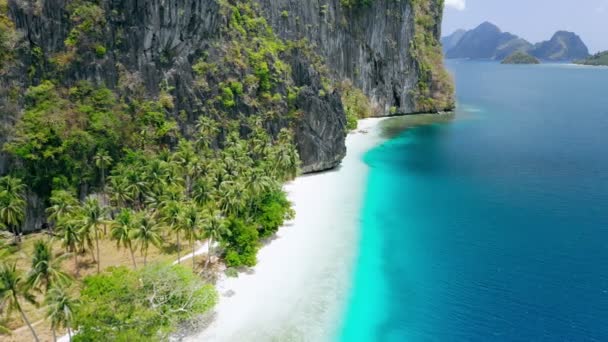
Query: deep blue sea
{"type": "Point", "coordinates": [494, 226]}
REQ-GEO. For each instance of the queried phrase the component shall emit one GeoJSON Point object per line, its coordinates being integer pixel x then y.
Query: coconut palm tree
{"type": "Point", "coordinates": [93, 217]}
{"type": "Point", "coordinates": [190, 221]}
{"type": "Point", "coordinates": [60, 310]}
{"type": "Point", "coordinates": [118, 191]}
{"type": "Point", "coordinates": [102, 162]}
{"type": "Point", "coordinates": [123, 230]}
{"type": "Point", "coordinates": [12, 289]}
{"type": "Point", "coordinates": [46, 271]}
{"type": "Point", "coordinates": [207, 132]}
{"type": "Point", "coordinates": [136, 185]}
{"type": "Point", "coordinates": [215, 228]}
{"type": "Point", "coordinates": [171, 214]}
{"type": "Point", "coordinates": [185, 157]}
{"type": "Point", "coordinates": [68, 231]}
{"type": "Point", "coordinates": [234, 197]}
{"type": "Point", "coordinates": [203, 190]}
{"type": "Point", "coordinates": [146, 233]}
{"type": "Point", "coordinates": [62, 203]}
{"type": "Point", "coordinates": [285, 156]}
{"type": "Point", "coordinates": [12, 205]}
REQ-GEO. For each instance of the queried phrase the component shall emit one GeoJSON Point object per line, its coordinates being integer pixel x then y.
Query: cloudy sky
{"type": "Point", "coordinates": [534, 20]}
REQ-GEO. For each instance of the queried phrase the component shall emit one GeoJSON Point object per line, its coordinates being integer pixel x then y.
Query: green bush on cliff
{"type": "Point", "coordinates": [355, 3]}
{"type": "Point", "coordinates": [434, 90]}
{"type": "Point", "coordinates": [8, 36]}
{"type": "Point", "coordinates": [356, 104]}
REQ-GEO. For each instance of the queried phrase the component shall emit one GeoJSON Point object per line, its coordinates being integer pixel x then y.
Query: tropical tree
{"type": "Point", "coordinates": [136, 185]}
{"type": "Point", "coordinates": [12, 205]}
{"type": "Point", "coordinates": [119, 191]}
{"type": "Point", "coordinates": [12, 289]}
{"type": "Point", "coordinates": [68, 231]}
{"type": "Point", "coordinates": [234, 197]}
{"type": "Point", "coordinates": [93, 217]}
{"type": "Point", "coordinates": [215, 228]}
{"type": "Point", "coordinates": [171, 214]}
{"type": "Point", "coordinates": [191, 222]}
{"type": "Point", "coordinates": [60, 309]}
{"type": "Point", "coordinates": [207, 132]}
{"type": "Point", "coordinates": [185, 157]}
{"type": "Point", "coordinates": [102, 162]}
{"type": "Point", "coordinates": [287, 160]}
{"type": "Point", "coordinates": [46, 271]}
{"type": "Point", "coordinates": [122, 231]}
{"type": "Point", "coordinates": [203, 190]}
{"type": "Point", "coordinates": [146, 233]}
{"type": "Point", "coordinates": [62, 203]}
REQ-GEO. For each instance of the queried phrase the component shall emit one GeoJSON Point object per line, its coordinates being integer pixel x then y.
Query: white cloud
{"type": "Point", "coordinates": [456, 4]}
{"type": "Point", "coordinates": [602, 7]}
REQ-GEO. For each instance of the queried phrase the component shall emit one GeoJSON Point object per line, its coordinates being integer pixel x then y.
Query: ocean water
{"type": "Point", "coordinates": [493, 226]}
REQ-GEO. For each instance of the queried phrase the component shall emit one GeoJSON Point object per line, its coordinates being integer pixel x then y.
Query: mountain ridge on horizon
{"type": "Point", "coordinates": [488, 41]}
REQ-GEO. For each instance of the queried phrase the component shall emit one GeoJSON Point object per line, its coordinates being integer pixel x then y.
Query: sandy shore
{"type": "Point", "coordinates": [297, 290]}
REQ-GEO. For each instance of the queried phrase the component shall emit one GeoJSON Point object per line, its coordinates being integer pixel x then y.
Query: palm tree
{"type": "Point", "coordinates": [60, 309]}
{"type": "Point", "coordinates": [102, 162]}
{"type": "Point", "coordinates": [215, 229]}
{"type": "Point", "coordinates": [234, 197]}
{"type": "Point", "coordinates": [207, 132]}
{"type": "Point", "coordinates": [69, 234]}
{"type": "Point", "coordinates": [119, 191]}
{"type": "Point", "coordinates": [62, 203]}
{"type": "Point", "coordinates": [286, 156]}
{"type": "Point", "coordinates": [12, 288]}
{"type": "Point", "coordinates": [46, 268]}
{"type": "Point", "coordinates": [191, 221]}
{"type": "Point", "coordinates": [146, 232]}
{"type": "Point", "coordinates": [171, 213]}
{"type": "Point", "coordinates": [92, 219]}
{"type": "Point", "coordinates": [136, 185]}
{"type": "Point", "coordinates": [185, 157]}
{"type": "Point", "coordinates": [12, 204]}
{"type": "Point", "coordinates": [122, 232]}
{"type": "Point", "coordinates": [203, 190]}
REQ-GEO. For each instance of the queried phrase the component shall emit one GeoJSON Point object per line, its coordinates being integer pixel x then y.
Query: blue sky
{"type": "Point", "coordinates": [534, 20]}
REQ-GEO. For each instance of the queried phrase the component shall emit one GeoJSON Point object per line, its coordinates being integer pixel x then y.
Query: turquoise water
{"type": "Point", "coordinates": [493, 227]}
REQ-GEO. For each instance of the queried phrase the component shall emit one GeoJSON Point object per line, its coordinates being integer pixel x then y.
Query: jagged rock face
{"type": "Point", "coordinates": [321, 133]}
{"type": "Point", "coordinates": [158, 41]}
{"type": "Point", "coordinates": [368, 45]}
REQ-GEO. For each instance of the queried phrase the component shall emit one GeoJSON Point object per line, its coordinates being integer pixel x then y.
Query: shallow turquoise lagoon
{"type": "Point", "coordinates": [494, 226]}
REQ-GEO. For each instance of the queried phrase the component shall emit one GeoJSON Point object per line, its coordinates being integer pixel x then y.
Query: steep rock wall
{"type": "Point", "coordinates": [388, 49]}
{"type": "Point", "coordinates": [368, 44]}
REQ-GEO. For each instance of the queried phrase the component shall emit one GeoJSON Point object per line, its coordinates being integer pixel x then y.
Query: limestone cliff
{"type": "Point", "coordinates": [376, 46]}
{"type": "Point", "coordinates": [276, 60]}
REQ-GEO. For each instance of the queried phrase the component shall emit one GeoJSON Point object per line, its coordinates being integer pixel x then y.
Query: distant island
{"type": "Point", "coordinates": [520, 57]}
{"type": "Point", "coordinates": [487, 41]}
{"type": "Point", "coordinates": [599, 59]}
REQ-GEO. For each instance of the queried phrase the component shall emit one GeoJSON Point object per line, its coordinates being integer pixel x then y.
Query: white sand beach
{"type": "Point", "coordinates": [297, 290]}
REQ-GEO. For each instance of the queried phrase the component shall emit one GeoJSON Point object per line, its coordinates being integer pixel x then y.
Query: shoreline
{"type": "Point", "coordinates": [300, 286]}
